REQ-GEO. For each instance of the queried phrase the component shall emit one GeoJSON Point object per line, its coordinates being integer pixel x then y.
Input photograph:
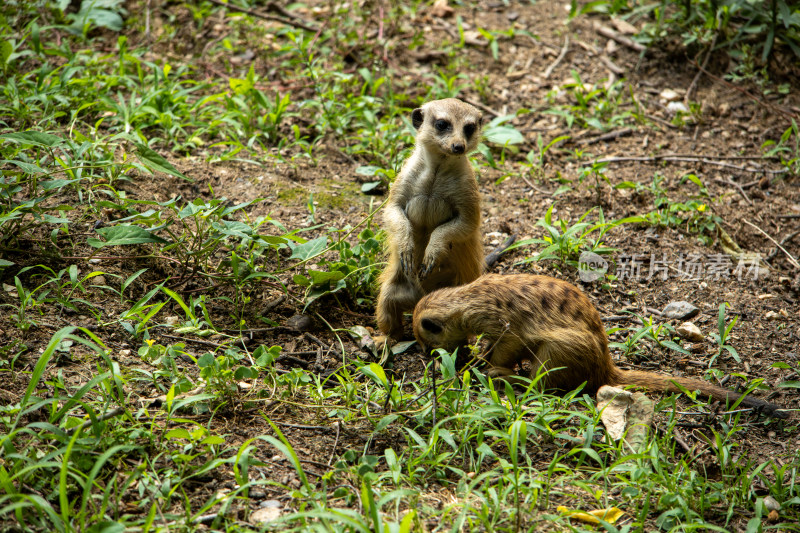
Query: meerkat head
{"type": "Point", "coordinates": [450, 126]}
{"type": "Point", "coordinates": [435, 327]}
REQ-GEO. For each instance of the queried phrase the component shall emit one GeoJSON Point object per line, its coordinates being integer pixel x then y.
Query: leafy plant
{"type": "Point", "coordinates": [565, 242]}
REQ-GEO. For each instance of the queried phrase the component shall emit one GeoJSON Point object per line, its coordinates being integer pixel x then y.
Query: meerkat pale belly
{"type": "Point", "coordinates": [549, 323]}
{"type": "Point", "coordinates": [427, 212]}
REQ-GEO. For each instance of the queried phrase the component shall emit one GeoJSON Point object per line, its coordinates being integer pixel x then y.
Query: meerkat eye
{"type": "Point", "coordinates": [469, 129]}
{"type": "Point", "coordinates": [441, 126]}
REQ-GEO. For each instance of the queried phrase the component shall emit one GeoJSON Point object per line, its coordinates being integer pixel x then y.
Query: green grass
{"type": "Point", "coordinates": [129, 318]}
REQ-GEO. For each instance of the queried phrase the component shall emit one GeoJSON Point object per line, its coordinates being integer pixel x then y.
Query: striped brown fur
{"type": "Point", "coordinates": [549, 323]}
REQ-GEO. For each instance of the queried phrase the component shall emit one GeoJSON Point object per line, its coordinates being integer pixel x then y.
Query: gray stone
{"type": "Point", "coordinates": [680, 310]}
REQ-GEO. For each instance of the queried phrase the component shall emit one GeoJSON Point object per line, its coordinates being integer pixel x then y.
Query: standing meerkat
{"type": "Point", "coordinates": [432, 217]}
{"type": "Point", "coordinates": [549, 323]}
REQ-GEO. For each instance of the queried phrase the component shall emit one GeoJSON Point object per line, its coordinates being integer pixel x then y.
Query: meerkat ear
{"type": "Point", "coordinates": [432, 326]}
{"type": "Point", "coordinates": [480, 121]}
{"type": "Point", "coordinates": [416, 118]}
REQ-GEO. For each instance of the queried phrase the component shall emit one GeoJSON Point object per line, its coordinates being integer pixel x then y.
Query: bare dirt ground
{"type": "Point", "coordinates": [754, 206]}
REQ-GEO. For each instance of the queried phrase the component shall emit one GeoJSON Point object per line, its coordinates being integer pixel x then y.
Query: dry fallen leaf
{"type": "Point", "coordinates": [625, 414]}
{"type": "Point", "coordinates": [624, 27]}
{"type": "Point", "coordinates": [475, 38]}
{"type": "Point", "coordinates": [610, 515]}
{"type": "Point", "coordinates": [440, 9]}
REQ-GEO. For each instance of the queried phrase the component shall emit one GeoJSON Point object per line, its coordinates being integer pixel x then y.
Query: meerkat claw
{"type": "Point", "coordinates": [407, 264]}
{"type": "Point", "coordinates": [425, 269]}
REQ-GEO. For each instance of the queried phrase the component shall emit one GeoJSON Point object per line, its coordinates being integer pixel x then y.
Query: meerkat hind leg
{"type": "Point", "coordinates": [397, 296]}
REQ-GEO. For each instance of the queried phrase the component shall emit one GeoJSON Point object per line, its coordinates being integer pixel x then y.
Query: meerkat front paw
{"type": "Point", "coordinates": [425, 269]}
{"type": "Point", "coordinates": [429, 261]}
{"type": "Point", "coordinates": [407, 263]}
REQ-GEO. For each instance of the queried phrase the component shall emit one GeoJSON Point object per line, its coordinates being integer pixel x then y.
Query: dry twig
{"type": "Point", "coordinates": [792, 260]}
{"type": "Point", "coordinates": [610, 136]}
{"type": "Point", "coordinates": [699, 72]}
{"type": "Point", "coordinates": [605, 31]}
{"type": "Point", "coordinates": [689, 159]}
{"type": "Point", "coordinates": [287, 17]}
{"type": "Point", "coordinates": [549, 70]}
{"type": "Point", "coordinates": [738, 187]}
{"type": "Point", "coordinates": [785, 240]}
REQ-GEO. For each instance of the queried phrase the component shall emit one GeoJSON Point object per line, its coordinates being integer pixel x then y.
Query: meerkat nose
{"type": "Point", "coordinates": [458, 148]}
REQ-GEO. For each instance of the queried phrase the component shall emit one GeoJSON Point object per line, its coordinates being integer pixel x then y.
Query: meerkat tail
{"type": "Point", "coordinates": [663, 383]}
{"type": "Point", "coordinates": [495, 254]}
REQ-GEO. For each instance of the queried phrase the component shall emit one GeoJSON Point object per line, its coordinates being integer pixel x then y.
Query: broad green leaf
{"type": "Point", "coordinates": [375, 372]}
{"type": "Point", "coordinates": [308, 249]}
{"type": "Point", "coordinates": [28, 168]}
{"type": "Point", "coordinates": [5, 52]}
{"type": "Point", "coordinates": [154, 161]}
{"type": "Point", "coordinates": [301, 280]}
{"type": "Point", "coordinates": [318, 277]}
{"type": "Point", "coordinates": [370, 186]}
{"type": "Point", "coordinates": [503, 135]}
{"type": "Point", "coordinates": [383, 423]}
{"type": "Point", "coordinates": [367, 170]}
{"type": "Point", "coordinates": [35, 138]}
{"type": "Point", "coordinates": [178, 433]}
{"type": "Point", "coordinates": [124, 234]}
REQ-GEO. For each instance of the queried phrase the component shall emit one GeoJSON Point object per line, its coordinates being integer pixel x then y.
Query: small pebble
{"type": "Point", "coordinates": [689, 331]}
{"type": "Point", "coordinates": [772, 504]}
{"type": "Point", "coordinates": [680, 310]}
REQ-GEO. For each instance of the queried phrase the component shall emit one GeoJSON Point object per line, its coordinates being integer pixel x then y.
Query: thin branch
{"type": "Point", "coordinates": [610, 136]}
{"type": "Point", "coordinates": [702, 69]}
{"type": "Point", "coordinates": [293, 21]}
{"type": "Point", "coordinates": [792, 260]}
{"type": "Point", "coordinates": [196, 341]}
{"type": "Point", "coordinates": [786, 239]}
{"type": "Point", "coordinates": [549, 70]}
{"type": "Point", "coordinates": [335, 441]}
{"type": "Point", "coordinates": [690, 159]}
{"type": "Point", "coordinates": [738, 187]}
{"type": "Point", "coordinates": [611, 34]}
{"type": "Point", "coordinates": [482, 106]}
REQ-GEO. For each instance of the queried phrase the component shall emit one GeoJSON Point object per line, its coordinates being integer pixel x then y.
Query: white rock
{"type": "Point", "coordinates": [772, 504]}
{"type": "Point", "coordinates": [264, 515]}
{"type": "Point", "coordinates": [669, 95]}
{"type": "Point", "coordinates": [676, 107]}
{"type": "Point", "coordinates": [689, 331]}
{"type": "Point", "coordinates": [171, 320]}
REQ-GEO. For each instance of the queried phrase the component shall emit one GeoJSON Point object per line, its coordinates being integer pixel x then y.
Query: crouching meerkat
{"type": "Point", "coordinates": [549, 323]}
{"type": "Point", "coordinates": [432, 218]}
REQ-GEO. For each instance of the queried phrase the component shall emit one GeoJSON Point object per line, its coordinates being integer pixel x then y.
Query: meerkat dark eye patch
{"type": "Point", "coordinates": [442, 125]}
{"type": "Point", "coordinates": [469, 129]}
{"type": "Point", "coordinates": [431, 325]}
